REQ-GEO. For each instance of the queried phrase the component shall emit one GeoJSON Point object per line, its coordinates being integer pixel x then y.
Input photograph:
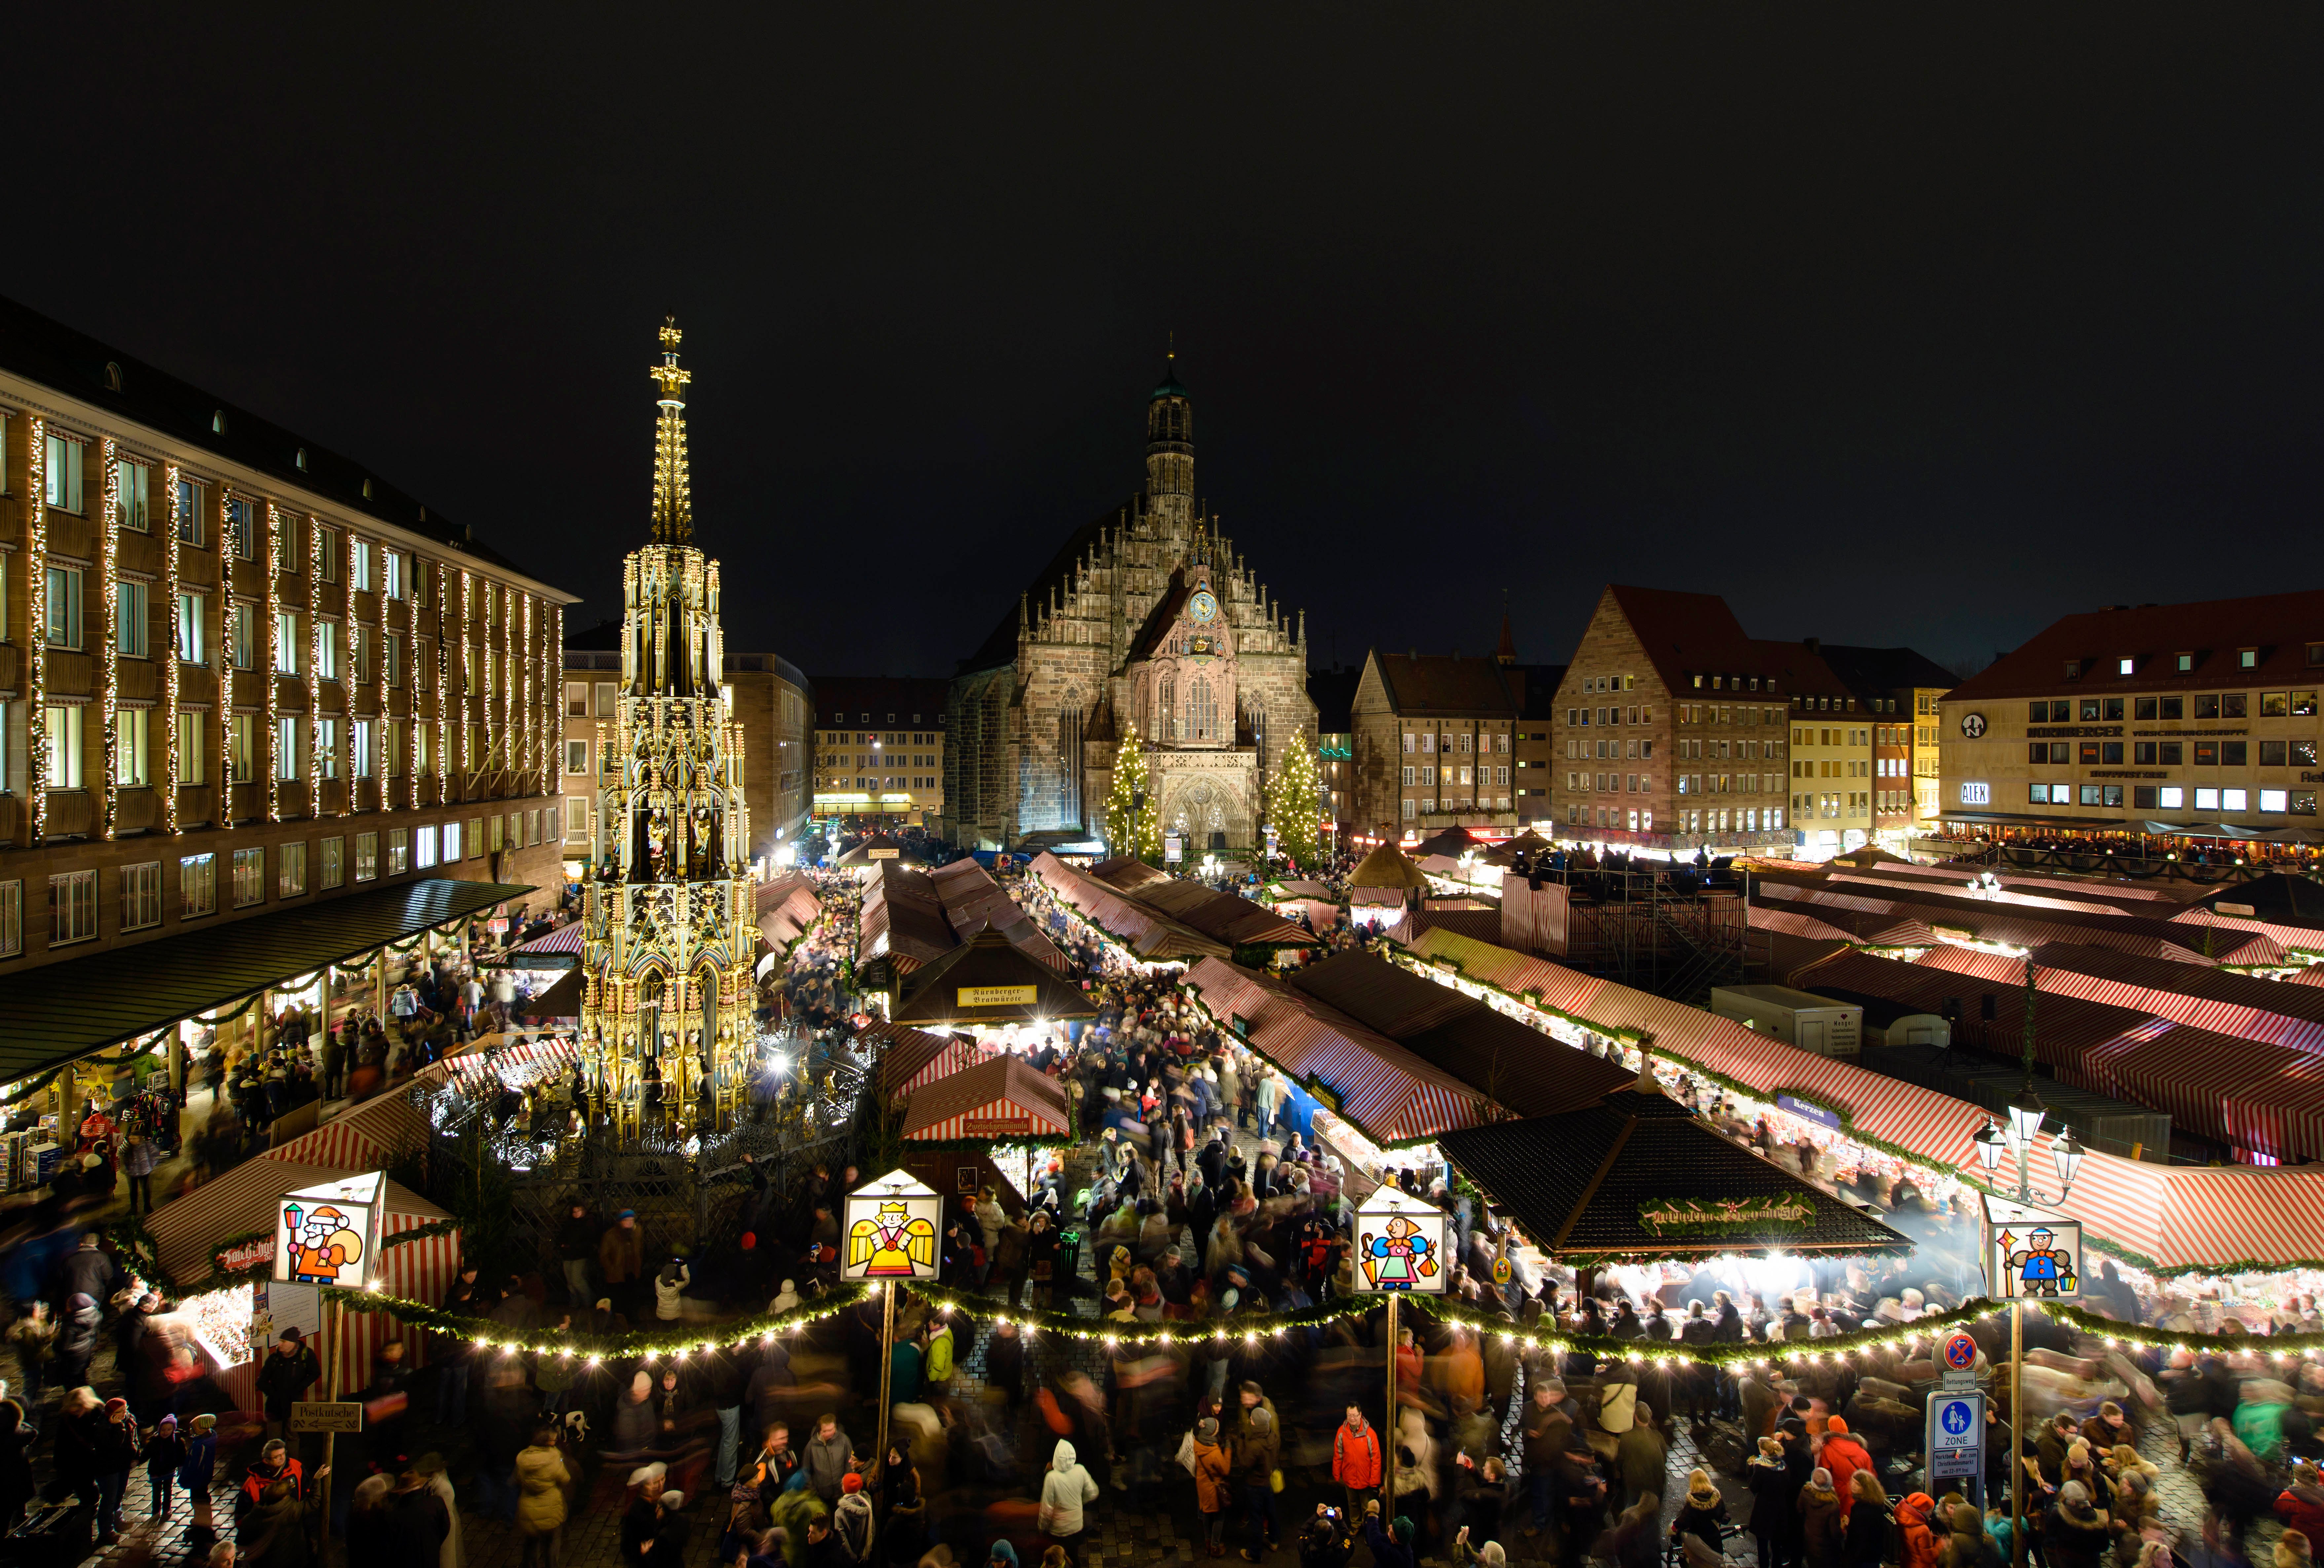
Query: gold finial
{"type": "Point", "coordinates": [673, 514]}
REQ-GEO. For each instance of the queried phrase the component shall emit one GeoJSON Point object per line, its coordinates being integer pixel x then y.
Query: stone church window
{"type": "Point", "coordinates": [1201, 711]}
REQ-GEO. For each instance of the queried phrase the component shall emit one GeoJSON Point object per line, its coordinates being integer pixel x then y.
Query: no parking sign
{"type": "Point", "coordinates": [1957, 1361]}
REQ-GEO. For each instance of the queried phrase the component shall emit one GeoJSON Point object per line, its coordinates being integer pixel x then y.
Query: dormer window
{"type": "Point", "coordinates": [2246, 659]}
{"type": "Point", "coordinates": [2125, 666]}
{"type": "Point", "coordinates": [2073, 669]}
{"type": "Point", "coordinates": [1698, 682]}
{"type": "Point", "coordinates": [2186, 663]}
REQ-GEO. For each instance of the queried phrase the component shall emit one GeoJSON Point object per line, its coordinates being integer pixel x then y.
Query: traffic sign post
{"type": "Point", "coordinates": [1957, 1361]}
{"type": "Point", "coordinates": [1956, 1442]}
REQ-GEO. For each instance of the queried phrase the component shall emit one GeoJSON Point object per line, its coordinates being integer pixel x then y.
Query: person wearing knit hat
{"type": "Point", "coordinates": [853, 1481]}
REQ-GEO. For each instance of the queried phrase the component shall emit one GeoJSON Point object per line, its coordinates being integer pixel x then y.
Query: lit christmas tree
{"type": "Point", "coordinates": [1293, 798]}
{"type": "Point", "coordinates": [1130, 829]}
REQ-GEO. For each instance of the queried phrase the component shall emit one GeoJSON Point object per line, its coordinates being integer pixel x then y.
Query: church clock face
{"type": "Point", "coordinates": [1203, 606]}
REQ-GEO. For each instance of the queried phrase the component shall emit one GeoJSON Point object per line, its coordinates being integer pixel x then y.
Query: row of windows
{"type": "Point", "coordinates": [1833, 768]}
{"type": "Point", "coordinates": [1843, 737]}
{"type": "Point", "coordinates": [359, 748]}
{"type": "Point", "coordinates": [1728, 819]}
{"type": "Point", "coordinates": [2174, 753]}
{"type": "Point", "coordinates": [2222, 704]}
{"type": "Point", "coordinates": [1725, 783]}
{"type": "Point", "coordinates": [884, 781]}
{"type": "Point", "coordinates": [1455, 775]}
{"type": "Point", "coordinates": [1702, 714]}
{"type": "Point", "coordinates": [874, 760]}
{"type": "Point", "coordinates": [1427, 805]}
{"type": "Point", "coordinates": [2174, 798]}
{"type": "Point", "coordinates": [2184, 661]}
{"type": "Point", "coordinates": [1846, 803]}
{"type": "Point", "coordinates": [1427, 742]}
{"type": "Point", "coordinates": [885, 738]}
{"type": "Point", "coordinates": [73, 895]}
{"type": "Point", "coordinates": [1891, 800]}
{"type": "Point", "coordinates": [865, 718]}
{"type": "Point", "coordinates": [1582, 718]}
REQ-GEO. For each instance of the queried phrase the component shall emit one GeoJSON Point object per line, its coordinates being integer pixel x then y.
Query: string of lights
{"type": "Point", "coordinates": [677, 1343]}
{"type": "Point", "coordinates": [108, 566]}
{"type": "Point", "coordinates": [271, 608]}
{"type": "Point", "coordinates": [172, 592]}
{"type": "Point", "coordinates": [36, 612]}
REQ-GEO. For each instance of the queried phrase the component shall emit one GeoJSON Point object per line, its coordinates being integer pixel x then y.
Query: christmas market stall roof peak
{"type": "Point", "coordinates": [1640, 1176]}
{"type": "Point", "coordinates": [988, 980]}
{"type": "Point", "coordinates": [1005, 1088]}
{"type": "Point", "coordinates": [1387, 867]}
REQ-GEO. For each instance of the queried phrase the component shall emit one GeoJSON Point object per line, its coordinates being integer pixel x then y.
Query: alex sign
{"type": "Point", "coordinates": [891, 1227]}
{"type": "Point", "coordinates": [1399, 1245]}
{"type": "Point", "coordinates": [2030, 1253]}
{"type": "Point", "coordinates": [330, 1233]}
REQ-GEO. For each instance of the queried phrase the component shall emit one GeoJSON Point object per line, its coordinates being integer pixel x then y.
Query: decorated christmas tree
{"type": "Point", "coordinates": [1293, 802]}
{"type": "Point", "coordinates": [1130, 828]}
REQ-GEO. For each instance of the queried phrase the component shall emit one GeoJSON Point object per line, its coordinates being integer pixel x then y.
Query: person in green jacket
{"type": "Point", "coordinates": [904, 1373]}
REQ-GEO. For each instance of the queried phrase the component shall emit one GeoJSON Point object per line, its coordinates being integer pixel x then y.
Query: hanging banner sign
{"type": "Point", "coordinates": [998, 995]}
{"type": "Point", "coordinates": [1399, 1245]}
{"type": "Point", "coordinates": [890, 1226]}
{"type": "Point", "coordinates": [1718, 1216]}
{"type": "Point", "coordinates": [2031, 1254]}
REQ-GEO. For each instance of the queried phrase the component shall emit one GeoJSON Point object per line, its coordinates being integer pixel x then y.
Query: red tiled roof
{"type": "Point", "coordinates": [1690, 634]}
{"type": "Point", "coordinates": [1445, 683]}
{"type": "Point", "coordinates": [2279, 627]}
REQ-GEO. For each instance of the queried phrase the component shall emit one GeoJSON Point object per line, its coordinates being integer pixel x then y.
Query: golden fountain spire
{"type": "Point", "coordinates": [673, 514]}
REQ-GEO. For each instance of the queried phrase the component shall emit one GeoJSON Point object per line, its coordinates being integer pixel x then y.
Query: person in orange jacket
{"type": "Point", "coordinates": [1356, 1460]}
{"type": "Point", "coordinates": [1843, 1456]}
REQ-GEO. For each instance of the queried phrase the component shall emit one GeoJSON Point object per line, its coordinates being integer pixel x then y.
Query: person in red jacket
{"type": "Point", "coordinates": [1842, 1455]}
{"type": "Point", "coordinates": [1356, 1460]}
{"type": "Point", "coordinates": [1913, 1516]}
{"type": "Point", "coordinates": [2301, 1506]}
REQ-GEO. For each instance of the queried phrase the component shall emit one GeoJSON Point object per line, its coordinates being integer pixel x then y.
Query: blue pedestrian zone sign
{"type": "Point", "coordinates": [1955, 1437]}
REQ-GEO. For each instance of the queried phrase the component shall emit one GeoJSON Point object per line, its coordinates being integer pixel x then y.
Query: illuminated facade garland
{"type": "Point", "coordinates": [225, 658]}
{"type": "Point", "coordinates": [108, 567]}
{"type": "Point", "coordinates": [314, 665]}
{"type": "Point", "coordinates": [270, 607]}
{"type": "Point", "coordinates": [36, 633]}
{"type": "Point", "coordinates": [412, 683]}
{"type": "Point", "coordinates": [382, 752]}
{"type": "Point", "coordinates": [169, 657]}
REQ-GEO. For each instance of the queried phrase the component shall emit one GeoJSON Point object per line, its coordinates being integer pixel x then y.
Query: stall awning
{"type": "Point", "coordinates": [62, 1011]}
{"type": "Point", "coordinates": [560, 949]}
{"type": "Point", "coordinates": [1638, 1176]}
{"type": "Point", "coordinates": [1003, 1098]}
{"type": "Point", "coordinates": [988, 980]}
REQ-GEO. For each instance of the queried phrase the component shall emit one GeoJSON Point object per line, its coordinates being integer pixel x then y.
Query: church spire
{"type": "Point", "coordinates": [1506, 654]}
{"type": "Point", "coordinates": [673, 513]}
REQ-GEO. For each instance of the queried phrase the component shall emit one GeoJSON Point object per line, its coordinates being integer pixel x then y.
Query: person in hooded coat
{"type": "Point", "coordinates": [1065, 1488]}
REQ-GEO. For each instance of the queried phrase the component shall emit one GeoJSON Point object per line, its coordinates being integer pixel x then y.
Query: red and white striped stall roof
{"type": "Point", "coordinates": [2180, 1218]}
{"type": "Point", "coordinates": [1957, 876]}
{"type": "Point", "coordinates": [998, 1099]}
{"type": "Point", "coordinates": [563, 942]}
{"type": "Point", "coordinates": [1390, 1095]}
{"type": "Point", "coordinates": [2290, 939]}
{"type": "Point", "coordinates": [2209, 999]}
{"type": "Point", "coordinates": [2021, 927]}
{"type": "Point", "coordinates": [912, 1058]}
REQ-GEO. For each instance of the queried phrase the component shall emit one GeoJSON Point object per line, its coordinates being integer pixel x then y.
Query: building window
{"type": "Point", "coordinates": [359, 733]}
{"type": "Point", "coordinates": [2274, 800]}
{"type": "Point", "coordinates": [390, 664]}
{"type": "Point", "coordinates": [532, 826]}
{"type": "Point", "coordinates": [327, 747]}
{"type": "Point", "coordinates": [290, 758]}
{"type": "Point", "coordinates": [190, 513]}
{"type": "Point", "coordinates": [286, 643]}
{"type": "Point", "coordinates": [327, 556]}
{"type": "Point", "coordinates": [242, 528]}
{"type": "Point", "coordinates": [366, 856]}
{"type": "Point", "coordinates": [132, 731]}
{"type": "Point", "coordinates": [359, 565]}
{"type": "Point", "coordinates": [193, 765]}
{"type": "Point", "coordinates": [291, 870]}
{"type": "Point", "coordinates": [576, 699]}
{"type": "Point", "coordinates": [64, 747]}
{"type": "Point", "coordinates": [577, 816]}
{"type": "Point", "coordinates": [424, 849]}
{"type": "Point", "coordinates": [12, 919]}
{"type": "Point", "coordinates": [451, 844]}
{"type": "Point", "coordinates": [242, 750]}
{"type": "Point", "coordinates": [605, 690]}
{"type": "Point", "coordinates": [249, 877]}
{"type": "Point", "coordinates": [64, 607]}
{"type": "Point", "coordinates": [1410, 806]}
{"type": "Point", "coordinates": [72, 907]}
{"type": "Point", "coordinates": [327, 650]}
{"type": "Point", "coordinates": [130, 635]}
{"type": "Point", "coordinates": [391, 572]}
{"type": "Point", "coordinates": [242, 635]}
{"type": "Point", "coordinates": [141, 896]}
{"type": "Point", "coordinates": [498, 840]}
{"type": "Point", "coordinates": [476, 835]}
{"type": "Point", "coordinates": [190, 642]}
{"type": "Point", "coordinates": [334, 862]}
{"type": "Point", "coordinates": [577, 756]}
{"type": "Point", "coordinates": [399, 851]}
{"type": "Point", "coordinates": [196, 886]}
{"type": "Point", "coordinates": [63, 472]}
{"type": "Point", "coordinates": [2235, 800]}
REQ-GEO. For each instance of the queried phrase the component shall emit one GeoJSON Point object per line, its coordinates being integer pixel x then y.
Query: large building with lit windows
{"type": "Point", "coordinates": [879, 751]}
{"type": "Point", "coordinates": [2176, 721]}
{"type": "Point", "coordinates": [242, 675]}
{"type": "Point", "coordinates": [1896, 691]}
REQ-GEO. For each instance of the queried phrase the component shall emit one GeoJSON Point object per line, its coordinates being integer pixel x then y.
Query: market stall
{"type": "Point", "coordinates": [986, 985]}
{"type": "Point", "coordinates": [206, 1239]}
{"type": "Point", "coordinates": [996, 1121]}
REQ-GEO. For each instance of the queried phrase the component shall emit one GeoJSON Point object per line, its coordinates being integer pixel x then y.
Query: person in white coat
{"type": "Point", "coordinates": [669, 1287]}
{"type": "Point", "coordinates": [1064, 1489]}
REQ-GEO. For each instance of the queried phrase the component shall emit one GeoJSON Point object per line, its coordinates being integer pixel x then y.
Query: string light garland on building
{"type": "Point", "coordinates": [270, 607]}
{"type": "Point", "coordinates": [413, 751]}
{"type": "Point", "coordinates": [314, 665]}
{"type": "Point", "coordinates": [225, 657]}
{"type": "Point", "coordinates": [170, 658]}
{"type": "Point", "coordinates": [108, 566]}
{"type": "Point", "coordinates": [36, 611]}
{"type": "Point", "coordinates": [382, 744]}
{"type": "Point", "coordinates": [553, 643]}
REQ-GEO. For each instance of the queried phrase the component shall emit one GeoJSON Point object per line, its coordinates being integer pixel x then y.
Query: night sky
{"type": "Point", "coordinates": [1893, 324]}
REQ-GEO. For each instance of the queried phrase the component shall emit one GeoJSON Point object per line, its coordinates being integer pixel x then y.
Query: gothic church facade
{"type": "Point", "coordinates": [1149, 618]}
